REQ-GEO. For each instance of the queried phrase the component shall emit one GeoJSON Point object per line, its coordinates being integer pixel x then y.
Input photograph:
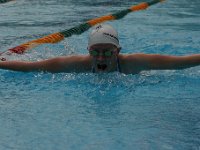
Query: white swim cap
{"type": "Point", "coordinates": [103, 33]}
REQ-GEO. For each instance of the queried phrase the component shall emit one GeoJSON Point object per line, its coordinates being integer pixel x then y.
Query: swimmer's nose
{"type": "Point", "coordinates": [101, 57]}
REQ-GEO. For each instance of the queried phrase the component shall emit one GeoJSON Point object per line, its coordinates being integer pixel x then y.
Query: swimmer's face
{"type": "Point", "coordinates": [104, 57]}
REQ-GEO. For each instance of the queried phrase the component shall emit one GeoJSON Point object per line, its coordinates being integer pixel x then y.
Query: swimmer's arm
{"type": "Point", "coordinates": [159, 62]}
{"type": "Point", "coordinates": [58, 64]}
{"type": "Point", "coordinates": [50, 65]}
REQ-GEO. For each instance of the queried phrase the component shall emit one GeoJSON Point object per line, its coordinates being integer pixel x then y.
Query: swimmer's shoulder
{"type": "Point", "coordinates": [80, 60]}
{"type": "Point", "coordinates": [131, 63]}
{"type": "Point", "coordinates": [76, 58]}
{"type": "Point", "coordinates": [75, 63]}
{"type": "Point", "coordinates": [126, 58]}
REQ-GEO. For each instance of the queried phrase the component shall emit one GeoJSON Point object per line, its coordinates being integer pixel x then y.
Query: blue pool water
{"type": "Point", "coordinates": [154, 110]}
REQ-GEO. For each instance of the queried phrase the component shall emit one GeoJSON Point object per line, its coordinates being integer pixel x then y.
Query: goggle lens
{"type": "Point", "coordinates": [94, 53]}
{"type": "Point", "coordinates": [106, 53]}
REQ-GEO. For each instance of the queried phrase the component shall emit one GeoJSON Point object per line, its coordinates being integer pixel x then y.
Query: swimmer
{"type": "Point", "coordinates": [104, 56]}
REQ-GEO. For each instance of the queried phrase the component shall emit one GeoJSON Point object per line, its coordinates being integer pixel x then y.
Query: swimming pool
{"type": "Point", "coordinates": [151, 110]}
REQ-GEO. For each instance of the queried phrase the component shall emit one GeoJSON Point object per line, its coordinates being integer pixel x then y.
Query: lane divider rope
{"type": "Point", "coordinates": [59, 36]}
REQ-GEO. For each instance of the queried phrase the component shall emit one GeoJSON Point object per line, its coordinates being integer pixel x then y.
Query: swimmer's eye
{"type": "Point", "coordinates": [106, 53]}
{"type": "Point", "coordinates": [94, 53]}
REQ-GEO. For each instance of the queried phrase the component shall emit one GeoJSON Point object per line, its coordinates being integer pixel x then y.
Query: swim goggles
{"type": "Point", "coordinates": [97, 53]}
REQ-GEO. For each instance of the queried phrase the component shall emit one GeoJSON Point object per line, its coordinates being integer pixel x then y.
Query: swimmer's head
{"type": "Point", "coordinates": [103, 34]}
